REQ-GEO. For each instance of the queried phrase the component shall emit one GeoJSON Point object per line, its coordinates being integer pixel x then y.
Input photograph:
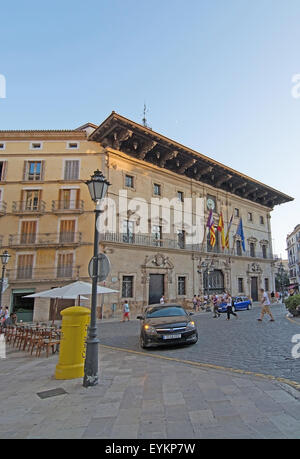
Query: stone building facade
{"type": "Point", "coordinates": [153, 226]}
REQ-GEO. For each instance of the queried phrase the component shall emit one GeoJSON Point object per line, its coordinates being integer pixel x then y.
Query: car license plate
{"type": "Point", "coordinates": [171, 336]}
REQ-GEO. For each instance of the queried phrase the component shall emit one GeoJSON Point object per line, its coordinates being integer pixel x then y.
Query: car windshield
{"type": "Point", "coordinates": [165, 312]}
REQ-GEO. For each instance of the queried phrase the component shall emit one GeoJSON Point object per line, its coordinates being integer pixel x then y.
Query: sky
{"type": "Point", "coordinates": [216, 76]}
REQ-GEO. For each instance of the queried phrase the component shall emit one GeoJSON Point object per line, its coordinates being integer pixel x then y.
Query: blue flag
{"type": "Point", "coordinates": [240, 232]}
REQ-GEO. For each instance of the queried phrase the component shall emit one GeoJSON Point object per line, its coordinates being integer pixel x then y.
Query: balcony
{"type": "Point", "coordinates": [68, 239]}
{"type": "Point", "coordinates": [28, 208]}
{"type": "Point", "coordinates": [68, 207]}
{"type": "Point", "coordinates": [29, 274]}
{"type": "Point", "coordinates": [150, 241]}
{"type": "Point", "coordinates": [3, 206]}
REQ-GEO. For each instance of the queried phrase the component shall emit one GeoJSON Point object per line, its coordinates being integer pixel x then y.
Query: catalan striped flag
{"type": "Point", "coordinates": [210, 224]}
{"type": "Point", "coordinates": [221, 229]}
{"type": "Point", "coordinates": [227, 234]}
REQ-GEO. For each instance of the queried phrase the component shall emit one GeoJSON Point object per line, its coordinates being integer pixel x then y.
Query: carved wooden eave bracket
{"type": "Point", "coordinates": [144, 144]}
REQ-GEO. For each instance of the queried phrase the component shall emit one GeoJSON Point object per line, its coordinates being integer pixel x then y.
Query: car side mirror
{"type": "Point", "coordinates": [140, 317]}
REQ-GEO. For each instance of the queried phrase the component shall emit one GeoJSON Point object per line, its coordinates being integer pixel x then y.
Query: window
{"type": "Point", "coordinates": [157, 235]}
{"type": "Point", "coordinates": [181, 285]}
{"type": "Point", "coordinates": [67, 231]}
{"type": "Point", "coordinates": [239, 248]}
{"type": "Point", "coordinates": [28, 232]}
{"type": "Point", "coordinates": [127, 287]}
{"type": "Point", "coordinates": [181, 239]}
{"type": "Point", "coordinates": [69, 199]}
{"type": "Point", "coordinates": [236, 212]}
{"type": "Point", "coordinates": [250, 217]}
{"type": "Point", "coordinates": [128, 231]}
{"type": "Point", "coordinates": [156, 189]}
{"type": "Point", "coordinates": [264, 251]}
{"type": "Point", "coordinates": [180, 196]}
{"type": "Point", "coordinates": [65, 265]}
{"type": "Point", "coordinates": [32, 170]}
{"type": "Point", "coordinates": [266, 285]}
{"type": "Point", "coordinates": [252, 249]}
{"type": "Point", "coordinates": [72, 145]}
{"type": "Point", "coordinates": [240, 285]}
{"type": "Point", "coordinates": [2, 146]}
{"type": "Point", "coordinates": [71, 170]}
{"type": "Point", "coordinates": [261, 220]}
{"type": "Point", "coordinates": [3, 167]}
{"type": "Point", "coordinates": [31, 200]}
{"type": "Point", "coordinates": [129, 181]}
{"type": "Point", "coordinates": [36, 146]}
{"type": "Point", "coordinates": [25, 266]}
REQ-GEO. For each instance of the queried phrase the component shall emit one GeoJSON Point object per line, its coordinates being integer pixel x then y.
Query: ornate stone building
{"type": "Point", "coordinates": [47, 216]}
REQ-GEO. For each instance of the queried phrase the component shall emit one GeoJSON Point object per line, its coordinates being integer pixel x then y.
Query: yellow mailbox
{"type": "Point", "coordinates": [75, 322]}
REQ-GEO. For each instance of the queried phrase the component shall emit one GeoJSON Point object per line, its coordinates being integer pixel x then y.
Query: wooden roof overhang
{"type": "Point", "coordinates": [141, 142]}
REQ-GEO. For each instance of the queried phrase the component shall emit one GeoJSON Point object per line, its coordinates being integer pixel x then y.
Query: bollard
{"type": "Point", "coordinates": [75, 322]}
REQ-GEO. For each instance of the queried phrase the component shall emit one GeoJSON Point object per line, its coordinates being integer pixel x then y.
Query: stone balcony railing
{"type": "Point", "coordinates": [29, 274]}
{"type": "Point", "coordinates": [164, 243]}
{"type": "Point", "coordinates": [45, 239]}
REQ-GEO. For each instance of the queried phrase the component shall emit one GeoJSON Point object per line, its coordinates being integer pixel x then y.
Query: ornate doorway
{"type": "Point", "coordinates": [213, 282]}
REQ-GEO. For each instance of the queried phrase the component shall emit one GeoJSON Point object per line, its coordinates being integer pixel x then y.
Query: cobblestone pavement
{"type": "Point", "coordinates": [246, 344]}
{"type": "Point", "coordinates": [141, 397]}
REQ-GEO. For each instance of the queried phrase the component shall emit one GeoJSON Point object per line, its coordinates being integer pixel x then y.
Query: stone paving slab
{"type": "Point", "coordinates": [140, 397]}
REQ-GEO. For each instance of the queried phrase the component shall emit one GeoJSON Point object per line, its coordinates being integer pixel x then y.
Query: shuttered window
{"type": "Point", "coordinates": [28, 232]}
{"type": "Point", "coordinates": [25, 267]}
{"type": "Point", "coordinates": [71, 170]}
{"type": "Point", "coordinates": [65, 265]}
{"type": "Point", "coordinates": [3, 169]}
{"type": "Point", "coordinates": [67, 231]}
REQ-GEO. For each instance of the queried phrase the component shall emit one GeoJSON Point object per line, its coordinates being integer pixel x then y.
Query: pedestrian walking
{"type": "Point", "coordinates": [162, 300]}
{"type": "Point", "coordinates": [215, 301]}
{"type": "Point", "coordinates": [265, 306]}
{"type": "Point", "coordinates": [126, 311]}
{"type": "Point", "coordinates": [195, 303]}
{"type": "Point", "coordinates": [200, 302]}
{"type": "Point", "coordinates": [272, 297]}
{"type": "Point", "coordinates": [230, 305]}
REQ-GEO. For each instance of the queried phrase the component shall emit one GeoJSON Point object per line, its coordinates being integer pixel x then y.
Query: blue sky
{"type": "Point", "coordinates": [216, 75]}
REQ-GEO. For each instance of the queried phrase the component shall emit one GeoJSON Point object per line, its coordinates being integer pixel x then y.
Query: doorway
{"type": "Point", "coordinates": [23, 307]}
{"type": "Point", "coordinates": [254, 289]}
{"type": "Point", "coordinates": [156, 288]}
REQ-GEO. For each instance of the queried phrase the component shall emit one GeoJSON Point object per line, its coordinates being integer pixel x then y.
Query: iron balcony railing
{"type": "Point", "coordinates": [26, 207]}
{"type": "Point", "coordinates": [44, 239]}
{"type": "Point", "coordinates": [150, 241]}
{"type": "Point", "coordinates": [73, 206]}
{"type": "Point", "coordinates": [28, 273]}
{"type": "Point", "coordinates": [3, 207]}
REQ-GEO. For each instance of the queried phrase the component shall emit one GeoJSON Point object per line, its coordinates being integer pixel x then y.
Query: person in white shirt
{"type": "Point", "coordinates": [265, 306]}
{"type": "Point", "coordinates": [162, 300]}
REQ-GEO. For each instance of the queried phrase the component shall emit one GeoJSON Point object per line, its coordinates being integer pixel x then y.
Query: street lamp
{"type": "Point", "coordinates": [280, 275]}
{"type": "Point", "coordinates": [208, 268]}
{"type": "Point", "coordinates": [98, 186]}
{"type": "Point", "coordinates": [4, 259]}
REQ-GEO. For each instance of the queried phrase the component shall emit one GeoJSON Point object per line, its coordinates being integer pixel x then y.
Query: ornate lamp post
{"type": "Point", "coordinates": [98, 186]}
{"type": "Point", "coordinates": [281, 275]}
{"type": "Point", "coordinates": [207, 267]}
{"type": "Point", "coordinates": [4, 259]}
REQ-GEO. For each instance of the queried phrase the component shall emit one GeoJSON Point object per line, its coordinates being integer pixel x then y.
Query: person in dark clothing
{"type": "Point", "coordinates": [230, 304]}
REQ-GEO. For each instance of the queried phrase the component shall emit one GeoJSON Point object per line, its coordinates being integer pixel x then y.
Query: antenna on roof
{"type": "Point", "coordinates": [144, 116]}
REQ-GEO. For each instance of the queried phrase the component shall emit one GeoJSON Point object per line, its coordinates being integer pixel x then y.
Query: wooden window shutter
{"type": "Point", "coordinates": [43, 166]}
{"type": "Point", "coordinates": [4, 171]}
{"type": "Point", "coordinates": [25, 170]}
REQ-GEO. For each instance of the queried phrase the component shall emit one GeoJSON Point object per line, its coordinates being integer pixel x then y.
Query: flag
{"type": "Point", "coordinates": [210, 224]}
{"type": "Point", "coordinates": [240, 232]}
{"type": "Point", "coordinates": [221, 229]}
{"type": "Point", "coordinates": [227, 234]}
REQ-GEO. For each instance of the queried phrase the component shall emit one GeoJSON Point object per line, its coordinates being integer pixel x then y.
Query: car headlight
{"type": "Point", "coordinates": [191, 325]}
{"type": "Point", "coordinates": [150, 330]}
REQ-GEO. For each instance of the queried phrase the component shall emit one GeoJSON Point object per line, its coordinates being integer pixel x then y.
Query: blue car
{"type": "Point", "coordinates": [241, 303]}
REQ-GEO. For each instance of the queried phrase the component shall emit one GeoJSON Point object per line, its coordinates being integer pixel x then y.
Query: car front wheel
{"type": "Point", "coordinates": [142, 343]}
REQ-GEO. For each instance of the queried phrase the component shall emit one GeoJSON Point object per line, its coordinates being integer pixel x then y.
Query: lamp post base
{"type": "Point", "coordinates": [91, 363]}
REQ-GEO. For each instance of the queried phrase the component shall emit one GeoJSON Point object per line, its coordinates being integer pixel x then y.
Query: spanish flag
{"type": "Point", "coordinates": [221, 229]}
{"type": "Point", "coordinates": [210, 224]}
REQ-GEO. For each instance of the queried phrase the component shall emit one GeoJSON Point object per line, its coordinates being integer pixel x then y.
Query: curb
{"type": "Point", "coordinates": [292, 384]}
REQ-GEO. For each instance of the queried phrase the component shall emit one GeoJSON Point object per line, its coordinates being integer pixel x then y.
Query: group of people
{"type": "Point", "coordinates": [213, 302]}
{"type": "Point", "coordinates": [7, 319]}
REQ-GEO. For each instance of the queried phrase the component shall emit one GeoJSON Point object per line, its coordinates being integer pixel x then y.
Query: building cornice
{"type": "Point", "coordinates": [147, 145]}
